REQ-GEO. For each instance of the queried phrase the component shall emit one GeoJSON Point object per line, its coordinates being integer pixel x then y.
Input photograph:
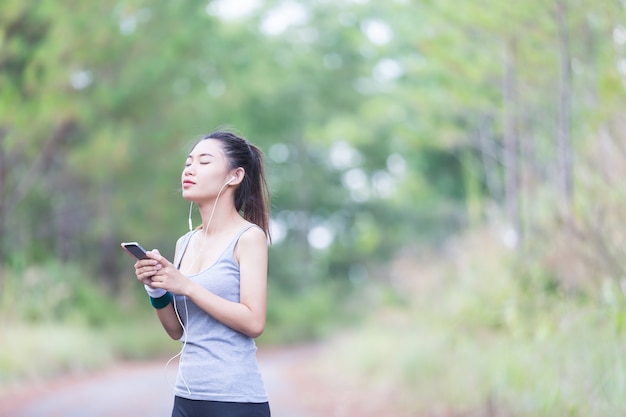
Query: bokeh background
{"type": "Point", "coordinates": [447, 180]}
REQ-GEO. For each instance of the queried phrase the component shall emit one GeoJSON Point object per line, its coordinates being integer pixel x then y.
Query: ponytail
{"type": "Point", "coordinates": [252, 196]}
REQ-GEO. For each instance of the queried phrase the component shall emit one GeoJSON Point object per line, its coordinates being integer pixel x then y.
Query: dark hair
{"type": "Point", "coordinates": [252, 195]}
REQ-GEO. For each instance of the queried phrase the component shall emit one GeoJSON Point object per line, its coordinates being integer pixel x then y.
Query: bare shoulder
{"type": "Point", "coordinates": [252, 245]}
{"type": "Point", "coordinates": [253, 236]}
{"type": "Point", "coordinates": [180, 241]}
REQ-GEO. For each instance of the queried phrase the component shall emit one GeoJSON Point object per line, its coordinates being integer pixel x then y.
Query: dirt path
{"type": "Point", "coordinates": [144, 389]}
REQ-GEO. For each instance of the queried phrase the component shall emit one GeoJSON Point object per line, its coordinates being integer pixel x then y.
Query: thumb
{"type": "Point", "coordinates": [156, 255]}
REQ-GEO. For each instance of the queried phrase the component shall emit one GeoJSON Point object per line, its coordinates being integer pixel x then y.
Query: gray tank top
{"type": "Point", "coordinates": [217, 363]}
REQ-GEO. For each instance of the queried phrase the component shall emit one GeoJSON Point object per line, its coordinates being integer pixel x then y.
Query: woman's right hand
{"type": "Point", "coordinates": [145, 270]}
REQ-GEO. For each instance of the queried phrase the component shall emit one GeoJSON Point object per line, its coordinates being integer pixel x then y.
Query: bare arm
{"type": "Point", "coordinates": [246, 316]}
{"type": "Point", "coordinates": [169, 319]}
{"type": "Point", "coordinates": [145, 270]}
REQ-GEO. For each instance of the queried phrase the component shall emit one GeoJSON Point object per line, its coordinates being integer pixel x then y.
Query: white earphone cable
{"type": "Point", "coordinates": [182, 349]}
{"type": "Point", "coordinates": [179, 354]}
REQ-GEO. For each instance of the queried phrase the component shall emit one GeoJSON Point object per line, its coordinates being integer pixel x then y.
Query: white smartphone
{"type": "Point", "coordinates": [135, 250]}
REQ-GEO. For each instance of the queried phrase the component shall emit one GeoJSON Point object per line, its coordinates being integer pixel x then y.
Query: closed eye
{"type": "Point", "coordinates": [188, 164]}
{"type": "Point", "coordinates": [203, 159]}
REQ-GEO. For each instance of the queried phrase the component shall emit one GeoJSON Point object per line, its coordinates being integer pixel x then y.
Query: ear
{"type": "Point", "coordinates": [237, 176]}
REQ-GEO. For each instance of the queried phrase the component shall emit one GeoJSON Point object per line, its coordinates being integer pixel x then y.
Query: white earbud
{"type": "Point", "coordinates": [189, 219]}
{"type": "Point", "coordinates": [233, 178]}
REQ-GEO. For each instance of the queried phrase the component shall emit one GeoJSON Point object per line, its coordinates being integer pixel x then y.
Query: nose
{"type": "Point", "coordinates": [188, 170]}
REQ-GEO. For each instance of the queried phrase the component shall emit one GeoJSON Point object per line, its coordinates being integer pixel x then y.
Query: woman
{"type": "Point", "coordinates": [213, 296]}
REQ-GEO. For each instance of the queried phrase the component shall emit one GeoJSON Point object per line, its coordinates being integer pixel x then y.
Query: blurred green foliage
{"type": "Point", "coordinates": [365, 111]}
{"type": "Point", "coordinates": [101, 102]}
{"type": "Point", "coordinates": [387, 126]}
{"type": "Point", "coordinates": [474, 331]}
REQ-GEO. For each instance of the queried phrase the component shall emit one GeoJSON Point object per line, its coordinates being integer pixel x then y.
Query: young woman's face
{"type": "Point", "coordinates": [206, 170]}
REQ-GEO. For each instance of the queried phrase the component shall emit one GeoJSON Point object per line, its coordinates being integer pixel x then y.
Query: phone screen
{"type": "Point", "coordinates": [135, 250]}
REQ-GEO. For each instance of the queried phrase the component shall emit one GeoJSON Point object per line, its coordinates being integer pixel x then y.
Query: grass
{"type": "Point", "coordinates": [54, 322]}
{"type": "Point", "coordinates": [34, 351]}
{"type": "Point", "coordinates": [469, 331]}
{"type": "Point", "coordinates": [465, 337]}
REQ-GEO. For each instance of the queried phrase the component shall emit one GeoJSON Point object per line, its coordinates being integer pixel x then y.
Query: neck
{"type": "Point", "coordinates": [217, 214]}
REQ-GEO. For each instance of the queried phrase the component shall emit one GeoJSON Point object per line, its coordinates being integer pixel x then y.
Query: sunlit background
{"type": "Point", "coordinates": [447, 190]}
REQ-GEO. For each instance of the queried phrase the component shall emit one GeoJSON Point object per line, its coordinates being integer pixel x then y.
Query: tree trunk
{"type": "Point", "coordinates": [3, 197]}
{"type": "Point", "coordinates": [565, 182]}
{"type": "Point", "coordinates": [511, 145]}
{"type": "Point", "coordinates": [490, 159]}
{"type": "Point", "coordinates": [10, 198]}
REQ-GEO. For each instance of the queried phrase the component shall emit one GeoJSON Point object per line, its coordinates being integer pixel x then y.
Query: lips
{"type": "Point", "coordinates": [188, 183]}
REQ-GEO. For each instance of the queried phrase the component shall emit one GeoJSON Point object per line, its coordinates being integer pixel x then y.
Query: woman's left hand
{"type": "Point", "coordinates": [168, 276]}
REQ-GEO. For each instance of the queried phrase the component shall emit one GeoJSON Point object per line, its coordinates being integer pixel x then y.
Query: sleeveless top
{"type": "Point", "coordinates": [216, 363]}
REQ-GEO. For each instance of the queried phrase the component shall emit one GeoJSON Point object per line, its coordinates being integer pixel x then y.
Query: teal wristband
{"type": "Point", "coordinates": [161, 302]}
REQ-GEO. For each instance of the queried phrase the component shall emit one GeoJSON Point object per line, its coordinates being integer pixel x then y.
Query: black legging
{"type": "Point", "coordinates": [184, 407]}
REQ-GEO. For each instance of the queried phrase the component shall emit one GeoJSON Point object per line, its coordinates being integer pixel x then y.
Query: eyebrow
{"type": "Point", "coordinates": [201, 155]}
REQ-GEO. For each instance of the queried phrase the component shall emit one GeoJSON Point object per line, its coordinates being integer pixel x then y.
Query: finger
{"type": "Point", "coordinates": [165, 263]}
{"type": "Point", "coordinates": [145, 262]}
{"type": "Point", "coordinates": [152, 269]}
{"type": "Point", "coordinates": [154, 254]}
{"type": "Point", "coordinates": [156, 281]}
